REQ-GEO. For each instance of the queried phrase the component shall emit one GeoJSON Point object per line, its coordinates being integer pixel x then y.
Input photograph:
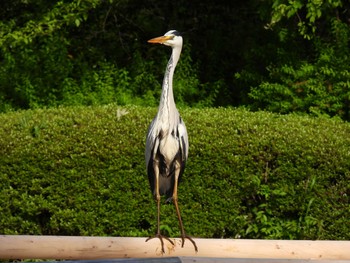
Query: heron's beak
{"type": "Point", "coordinates": [160, 40]}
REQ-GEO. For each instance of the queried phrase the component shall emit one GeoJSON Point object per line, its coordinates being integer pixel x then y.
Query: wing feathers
{"type": "Point", "coordinates": [163, 148]}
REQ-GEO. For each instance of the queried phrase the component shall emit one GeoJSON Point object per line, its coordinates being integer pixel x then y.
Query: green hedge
{"type": "Point", "coordinates": [80, 171]}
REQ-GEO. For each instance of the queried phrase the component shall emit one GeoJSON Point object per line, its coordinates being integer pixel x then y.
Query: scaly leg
{"type": "Point", "coordinates": [183, 234]}
{"type": "Point", "coordinates": [158, 235]}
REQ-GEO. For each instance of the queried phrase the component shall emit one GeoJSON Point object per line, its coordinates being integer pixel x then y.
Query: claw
{"type": "Point", "coordinates": [161, 240]}
{"type": "Point", "coordinates": [190, 239]}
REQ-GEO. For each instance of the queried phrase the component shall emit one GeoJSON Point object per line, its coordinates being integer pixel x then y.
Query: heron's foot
{"type": "Point", "coordinates": [190, 239]}
{"type": "Point", "coordinates": [161, 237]}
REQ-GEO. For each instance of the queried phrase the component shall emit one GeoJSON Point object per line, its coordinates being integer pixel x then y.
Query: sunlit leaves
{"type": "Point", "coordinates": [80, 171]}
{"type": "Point", "coordinates": [61, 14]}
{"type": "Point", "coordinates": [320, 86]}
{"type": "Point", "coordinates": [307, 13]}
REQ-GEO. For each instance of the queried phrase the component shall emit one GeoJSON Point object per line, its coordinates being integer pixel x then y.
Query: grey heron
{"type": "Point", "coordinates": [167, 142]}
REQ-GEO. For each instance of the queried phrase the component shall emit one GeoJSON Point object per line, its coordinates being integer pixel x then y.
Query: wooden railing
{"type": "Point", "coordinates": [80, 248]}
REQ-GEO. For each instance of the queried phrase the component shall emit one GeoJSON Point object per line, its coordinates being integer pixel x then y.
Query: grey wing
{"type": "Point", "coordinates": [150, 141]}
{"type": "Point", "coordinates": [183, 139]}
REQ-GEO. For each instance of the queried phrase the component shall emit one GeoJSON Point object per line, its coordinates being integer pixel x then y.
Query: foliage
{"type": "Point", "coordinates": [277, 55]}
{"type": "Point", "coordinates": [58, 15]}
{"type": "Point", "coordinates": [309, 75]}
{"type": "Point", "coordinates": [187, 88]}
{"type": "Point", "coordinates": [104, 84]}
{"type": "Point", "coordinates": [35, 58]}
{"type": "Point", "coordinates": [42, 66]}
{"type": "Point", "coordinates": [318, 87]}
{"type": "Point", "coordinates": [308, 14]}
{"type": "Point", "coordinates": [80, 171]}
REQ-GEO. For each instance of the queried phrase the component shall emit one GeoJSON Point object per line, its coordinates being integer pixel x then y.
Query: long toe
{"type": "Point", "coordinates": [190, 239]}
{"type": "Point", "coordinates": [161, 237]}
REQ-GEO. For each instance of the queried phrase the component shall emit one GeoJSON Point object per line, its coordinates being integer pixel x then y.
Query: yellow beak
{"type": "Point", "coordinates": [160, 40]}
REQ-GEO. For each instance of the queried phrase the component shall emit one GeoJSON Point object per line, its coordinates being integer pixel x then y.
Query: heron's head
{"type": "Point", "coordinates": [171, 38]}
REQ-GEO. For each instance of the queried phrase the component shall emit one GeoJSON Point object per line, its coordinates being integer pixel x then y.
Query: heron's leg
{"type": "Point", "coordinates": [157, 196]}
{"type": "Point", "coordinates": [182, 229]}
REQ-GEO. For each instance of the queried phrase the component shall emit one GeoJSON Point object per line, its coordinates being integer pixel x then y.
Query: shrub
{"type": "Point", "coordinates": [318, 86]}
{"type": "Point", "coordinates": [80, 171]}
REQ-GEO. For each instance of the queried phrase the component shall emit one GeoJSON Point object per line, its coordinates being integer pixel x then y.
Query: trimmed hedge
{"type": "Point", "coordinates": [80, 171]}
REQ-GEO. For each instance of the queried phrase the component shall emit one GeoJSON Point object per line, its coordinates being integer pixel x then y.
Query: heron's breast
{"type": "Point", "coordinates": [169, 147]}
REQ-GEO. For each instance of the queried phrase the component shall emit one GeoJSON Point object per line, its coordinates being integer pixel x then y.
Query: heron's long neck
{"type": "Point", "coordinates": [167, 98]}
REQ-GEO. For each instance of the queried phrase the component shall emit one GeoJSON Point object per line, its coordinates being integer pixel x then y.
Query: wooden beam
{"type": "Point", "coordinates": [73, 247]}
